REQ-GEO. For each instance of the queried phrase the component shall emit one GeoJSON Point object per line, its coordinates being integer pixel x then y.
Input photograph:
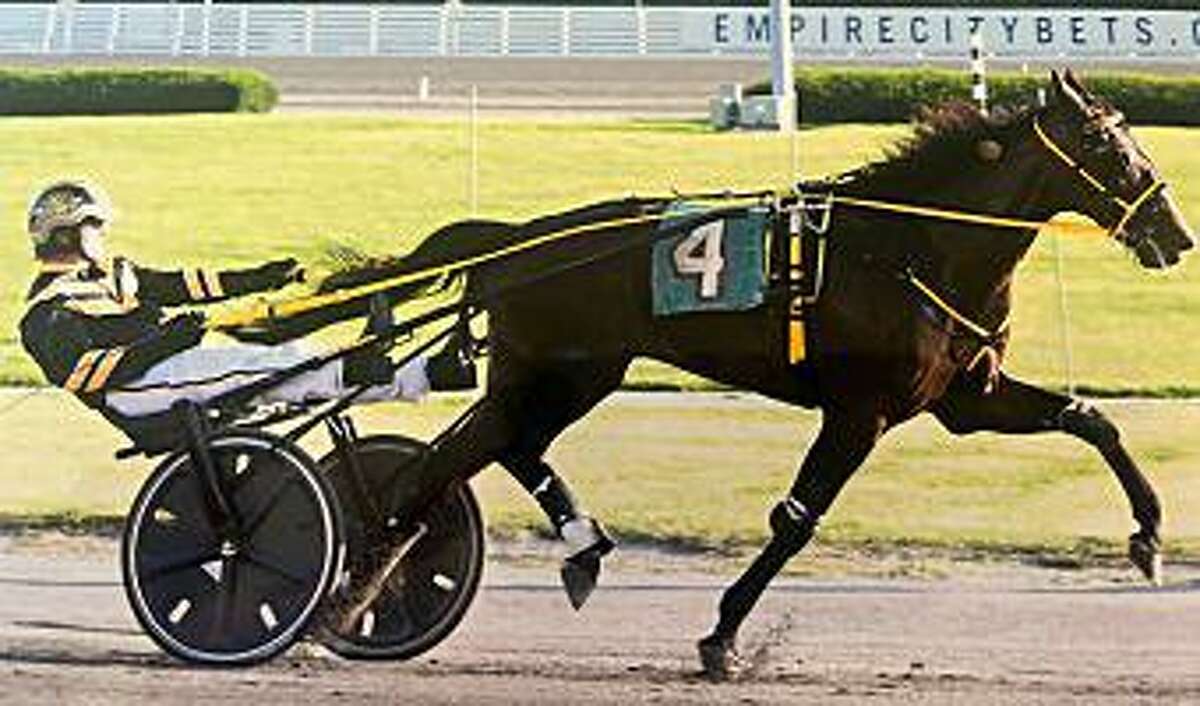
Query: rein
{"type": "Point", "coordinates": [1129, 209]}
{"type": "Point", "coordinates": [270, 311]}
{"type": "Point", "coordinates": [979, 219]}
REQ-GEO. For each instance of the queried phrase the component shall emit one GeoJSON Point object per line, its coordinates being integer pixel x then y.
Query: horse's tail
{"type": "Point", "coordinates": [441, 249]}
{"type": "Point", "coordinates": [453, 253]}
{"type": "Point", "coordinates": [357, 272]}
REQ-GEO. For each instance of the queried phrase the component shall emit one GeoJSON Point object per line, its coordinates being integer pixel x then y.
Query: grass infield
{"type": "Point", "coordinates": [229, 190]}
{"type": "Point", "coordinates": [701, 471]}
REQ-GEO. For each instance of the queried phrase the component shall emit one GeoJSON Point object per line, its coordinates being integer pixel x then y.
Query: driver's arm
{"type": "Point", "coordinates": [203, 285]}
{"type": "Point", "coordinates": [59, 342]}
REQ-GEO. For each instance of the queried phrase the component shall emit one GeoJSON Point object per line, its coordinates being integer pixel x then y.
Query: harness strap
{"type": "Point", "coordinates": [1128, 208]}
{"type": "Point", "coordinates": [943, 214]}
{"type": "Point", "coordinates": [269, 311]}
{"type": "Point", "coordinates": [949, 310]}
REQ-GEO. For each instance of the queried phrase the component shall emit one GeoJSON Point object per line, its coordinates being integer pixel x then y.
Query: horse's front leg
{"type": "Point", "coordinates": [1015, 407]}
{"type": "Point", "coordinates": [842, 445]}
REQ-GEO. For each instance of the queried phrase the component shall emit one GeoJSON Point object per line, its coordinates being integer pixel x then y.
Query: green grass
{"type": "Point", "coordinates": [705, 475]}
{"type": "Point", "coordinates": [232, 190]}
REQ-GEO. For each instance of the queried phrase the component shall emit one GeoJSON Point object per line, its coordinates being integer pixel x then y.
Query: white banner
{"type": "Point", "coordinates": [946, 31]}
{"type": "Point", "coordinates": [268, 29]}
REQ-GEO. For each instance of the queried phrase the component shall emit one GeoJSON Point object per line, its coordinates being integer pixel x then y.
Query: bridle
{"type": "Point", "coordinates": [1128, 209]}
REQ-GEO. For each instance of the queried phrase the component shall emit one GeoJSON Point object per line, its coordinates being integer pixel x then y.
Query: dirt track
{"type": "Point", "coordinates": [991, 635]}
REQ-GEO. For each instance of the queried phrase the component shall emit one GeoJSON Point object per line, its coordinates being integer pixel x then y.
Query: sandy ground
{"type": "Point", "coordinates": [991, 634]}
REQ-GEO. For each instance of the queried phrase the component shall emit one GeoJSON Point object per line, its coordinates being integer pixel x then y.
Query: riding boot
{"type": "Point", "coordinates": [368, 366]}
{"type": "Point", "coordinates": [452, 368]}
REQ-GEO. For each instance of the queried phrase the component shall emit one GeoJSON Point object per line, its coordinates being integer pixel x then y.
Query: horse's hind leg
{"type": "Point", "coordinates": [1018, 408]}
{"type": "Point", "coordinates": [562, 394]}
{"type": "Point", "coordinates": [842, 445]}
{"type": "Point", "coordinates": [528, 404]}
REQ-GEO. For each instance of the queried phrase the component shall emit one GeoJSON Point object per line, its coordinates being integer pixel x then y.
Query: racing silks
{"type": "Point", "coordinates": [91, 328]}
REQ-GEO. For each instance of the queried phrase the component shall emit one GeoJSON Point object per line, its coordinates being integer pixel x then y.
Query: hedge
{"type": "Point", "coordinates": [126, 90]}
{"type": "Point", "coordinates": [832, 95]}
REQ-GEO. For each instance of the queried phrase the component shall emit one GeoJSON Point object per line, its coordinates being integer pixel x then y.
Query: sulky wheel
{"type": "Point", "coordinates": [238, 590]}
{"type": "Point", "coordinates": [434, 579]}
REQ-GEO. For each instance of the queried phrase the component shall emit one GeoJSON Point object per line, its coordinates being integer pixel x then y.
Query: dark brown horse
{"type": "Point", "coordinates": [880, 350]}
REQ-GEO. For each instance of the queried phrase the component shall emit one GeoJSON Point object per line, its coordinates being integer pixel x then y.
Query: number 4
{"type": "Point", "coordinates": [708, 265]}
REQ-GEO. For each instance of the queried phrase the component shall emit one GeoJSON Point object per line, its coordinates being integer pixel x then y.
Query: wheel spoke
{"type": "Point", "coordinates": [255, 519]}
{"type": "Point", "coordinates": [156, 566]}
{"type": "Point", "coordinates": [277, 565]}
{"type": "Point", "coordinates": [219, 627]}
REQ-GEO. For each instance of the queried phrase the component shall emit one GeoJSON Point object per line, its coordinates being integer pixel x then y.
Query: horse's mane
{"type": "Point", "coordinates": [942, 145]}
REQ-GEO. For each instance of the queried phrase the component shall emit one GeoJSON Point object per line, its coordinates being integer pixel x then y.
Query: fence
{"type": "Point", "coordinates": [335, 30]}
{"type": "Point", "coordinates": [202, 29]}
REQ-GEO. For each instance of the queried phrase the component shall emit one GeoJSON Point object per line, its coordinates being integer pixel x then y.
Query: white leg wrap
{"type": "Point", "coordinates": [579, 534]}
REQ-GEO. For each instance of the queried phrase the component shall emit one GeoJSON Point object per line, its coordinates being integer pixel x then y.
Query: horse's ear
{"type": "Point", "coordinates": [1064, 92]}
{"type": "Point", "coordinates": [1080, 89]}
{"type": "Point", "coordinates": [989, 150]}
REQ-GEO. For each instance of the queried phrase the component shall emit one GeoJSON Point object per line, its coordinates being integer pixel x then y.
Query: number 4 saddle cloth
{"type": "Point", "coordinates": [708, 260]}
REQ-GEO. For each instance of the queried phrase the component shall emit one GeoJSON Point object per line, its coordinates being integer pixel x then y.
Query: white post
{"type": "Point", "coordinates": [67, 12]}
{"type": "Point", "coordinates": [473, 186]}
{"type": "Point", "coordinates": [979, 92]}
{"type": "Point", "coordinates": [48, 32]}
{"type": "Point", "coordinates": [310, 22]}
{"type": "Point", "coordinates": [114, 28]}
{"type": "Point", "coordinates": [177, 34]}
{"type": "Point", "coordinates": [1064, 313]}
{"type": "Point", "coordinates": [505, 29]}
{"type": "Point", "coordinates": [206, 27]}
{"type": "Point", "coordinates": [641, 26]}
{"type": "Point", "coordinates": [373, 32]}
{"type": "Point", "coordinates": [783, 81]}
{"type": "Point", "coordinates": [565, 48]}
{"type": "Point", "coordinates": [453, 14]}
{"type": "Point", "coordinates": [244, 30]}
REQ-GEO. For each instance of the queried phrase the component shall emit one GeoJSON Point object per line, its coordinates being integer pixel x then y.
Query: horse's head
{"type": "Point", "coordinates": [1104, 174]}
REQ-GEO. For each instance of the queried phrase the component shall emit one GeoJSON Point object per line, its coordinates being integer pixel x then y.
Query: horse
{"type": "Point", "coordinates": [881, 348]}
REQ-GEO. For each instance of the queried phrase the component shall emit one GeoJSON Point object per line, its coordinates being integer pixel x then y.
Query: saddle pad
{"type": "Point", "coordinates": [717, 266]}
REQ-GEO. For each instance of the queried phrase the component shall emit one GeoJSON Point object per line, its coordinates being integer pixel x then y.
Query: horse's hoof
{"type": "Point", "coordinates": [1145, 555]}
{"type": "Point", "coordinates": [579, 575]}
{"type": "Point", "coordinates": [581, 570]}
{"type": "Point", "coordinates": [720, 659]}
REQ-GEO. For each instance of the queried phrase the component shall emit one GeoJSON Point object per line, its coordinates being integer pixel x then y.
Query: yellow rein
{"type": "Point", "coordinates": [942, 214]}
{"type": "Point", "coordinates": [267, 311]}
{"type": "Point", "coordinates": [1128, 208]}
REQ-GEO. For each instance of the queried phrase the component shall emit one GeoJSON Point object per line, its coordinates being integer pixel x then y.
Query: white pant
{"type": "Point", "coordinates": [200, 374]}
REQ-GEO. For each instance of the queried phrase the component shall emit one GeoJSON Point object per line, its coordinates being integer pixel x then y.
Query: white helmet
{"type": "Point", "coordinates": [66, 204]}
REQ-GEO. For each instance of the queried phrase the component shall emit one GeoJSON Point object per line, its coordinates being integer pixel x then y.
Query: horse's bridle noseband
{"type": "Point", "coordinates": [1128, 209]}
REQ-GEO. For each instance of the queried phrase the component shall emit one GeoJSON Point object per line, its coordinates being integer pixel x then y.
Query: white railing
{"type": "Point", "coordinates": [199, 28]}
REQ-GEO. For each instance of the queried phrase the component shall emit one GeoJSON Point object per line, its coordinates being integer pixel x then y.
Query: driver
{"type": "Point", "coordinates": [96, 328]}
